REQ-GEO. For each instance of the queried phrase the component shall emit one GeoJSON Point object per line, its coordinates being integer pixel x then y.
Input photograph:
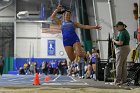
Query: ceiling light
{"type": "Point", "coordinates": [6, 0]}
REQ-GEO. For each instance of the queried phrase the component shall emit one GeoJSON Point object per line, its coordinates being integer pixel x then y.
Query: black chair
{"type": "Point", "coordinates": [133, 73]}
{"type": "Point", "coordinates": [100, 66]}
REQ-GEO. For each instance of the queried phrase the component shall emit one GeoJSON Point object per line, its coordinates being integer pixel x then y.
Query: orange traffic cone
{"type": "Point", "coordinates": [36, 80]}
{"type": "Point", "coordinates": [47, 78]}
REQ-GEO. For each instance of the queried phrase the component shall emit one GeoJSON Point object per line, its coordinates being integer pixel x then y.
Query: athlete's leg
{"type": "Point", "coordinates": [94, 70]}
{"type": "Point", "coordinates": [70, 52]}
{"type": "Point", "coordinates": [89, 69]}
{"type": "Point", "coordinates": [79, 51]}
{"type": "Point", "coordinates": [94, 67]}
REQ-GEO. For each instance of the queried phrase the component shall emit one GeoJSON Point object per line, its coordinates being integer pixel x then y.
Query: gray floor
{"type": "Point", "coordinates": [55, 81]}
{"type": "Point", "coordinates": [9, 80]}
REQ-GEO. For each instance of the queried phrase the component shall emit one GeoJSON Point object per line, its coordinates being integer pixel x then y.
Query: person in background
{"type": "Point", "coordinates": [51, 66]}
{"type": "Point", "coordinates": [21, 71]}
{"type": "Point", "coordinates": [60, 67]}
{"type": "Point", "coordinates": [122, 50]}
{"type": "Point", "coordinates": [55, 67]}
{"type": "Point", "coordinates": [64, 67]}
{"type": "Point", "coordinates": [138, 35]}
{"type": "Point", "coordinates": [44, 68]}
{"type": "Point", "coordinates": [25, 67]}
{"type": "Point", "coordinates": [95, 56]}
{"type": "Point", "coordinates": [32, 67]}
{"type": "Point", "coordinates": [137, 76]}
{"type": "Point", "coordinates": [81, 63]}
{"type": "Point", "coordinates": [1, 65]}
{"type": "Point", "coordinates": [35, 67]}
{"type": "Point", "coordinates": [98, 55]}
{"type": "Point", "coordinates": [73, 69]}
{"type": "Point", "coordinates": [89, 65]}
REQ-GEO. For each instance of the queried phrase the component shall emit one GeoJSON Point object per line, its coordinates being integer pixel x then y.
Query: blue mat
{"type": "Point", "coordinates": [13, 72]}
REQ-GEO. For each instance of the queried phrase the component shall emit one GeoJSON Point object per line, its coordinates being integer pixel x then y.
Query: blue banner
{"type": "Point", "coordinates": [51, 47]}
{"type": "Point", "coordinates": [42, 10]}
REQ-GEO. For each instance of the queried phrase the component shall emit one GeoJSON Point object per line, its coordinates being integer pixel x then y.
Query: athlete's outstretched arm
{"type": "Point", "coordinates": [78, 25]}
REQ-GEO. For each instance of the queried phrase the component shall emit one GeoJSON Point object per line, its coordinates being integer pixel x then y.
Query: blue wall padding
{"type": "Point", "coordinates": [19, 62]}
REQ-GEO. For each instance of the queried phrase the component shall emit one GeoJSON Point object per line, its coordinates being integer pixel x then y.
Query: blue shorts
{"type": "Point", "coordinates": [69, 41]}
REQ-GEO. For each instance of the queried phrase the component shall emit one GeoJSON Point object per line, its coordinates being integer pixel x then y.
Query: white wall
{"type": "Point", "coordinates": [123, 12]}
{"type": "Point", "coordinates": [91, 18]}
{"type": "Point", "coordinates": [27, 34]}
{"type": "Point", "coordinates": [103, 19]}
{"type": "Point", "coordinates": [38, 46]}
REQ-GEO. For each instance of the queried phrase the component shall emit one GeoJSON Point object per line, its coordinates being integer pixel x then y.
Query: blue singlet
{"type": "Point", "coordinates": [69, 35]}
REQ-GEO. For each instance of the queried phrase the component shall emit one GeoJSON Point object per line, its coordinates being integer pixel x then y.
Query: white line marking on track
{"type": "Point", "coordinates": [12, 79]}
{"type": "Point", "coordinates": [75, 84]}
{"type": "Point", "coordinates": [31, 80]}
{"type": "Point", "coordinates": [56, 78]}
{"type": "Point", "coordinates": [65, 80]}
{"type": "Point", "coordinates": [51, 84]}
{"type": "Point", "coordinates": [21, 78]}
{"type": "Point", "coordinates": [65, 84]}
{"type": "Point", "coordinates": [86, 83]}
{"type": "Point", "coordinates": [4, 78]}
{"type": "Point", "coordinates": [72, 78]}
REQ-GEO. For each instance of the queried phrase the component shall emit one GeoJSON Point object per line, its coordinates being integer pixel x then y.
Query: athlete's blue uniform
{"type": "Point", "coordinates": [93, 58]}
{"type": "Point", "coordinates": [69, 34]}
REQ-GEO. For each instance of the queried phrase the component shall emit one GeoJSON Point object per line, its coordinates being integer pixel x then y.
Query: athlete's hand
{"type": "Point", "coordinates": [59, 7]}
{"type": "Point", "coordinates": [98, 27]}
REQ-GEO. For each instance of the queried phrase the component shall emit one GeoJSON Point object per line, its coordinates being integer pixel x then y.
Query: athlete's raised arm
{"type": "Point", "coordinates": [53, 16]}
